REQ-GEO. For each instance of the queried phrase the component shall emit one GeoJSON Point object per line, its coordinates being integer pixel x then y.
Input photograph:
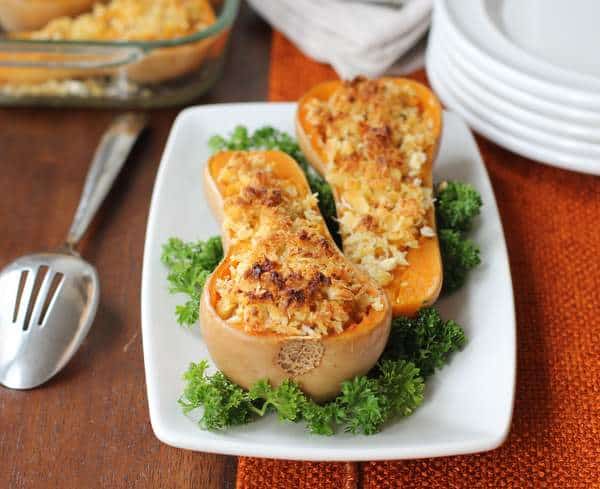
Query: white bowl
{"type": "Point", "coordinates": [471, 25]}
{"type": "Point", "coordinates": [563, 111]}
{"type": "Point", "coordinates": [560, 35]}
{"type": "Point", "coordinates": [488, 126]}
{"type": "Point", "coordinates": [538, 128]}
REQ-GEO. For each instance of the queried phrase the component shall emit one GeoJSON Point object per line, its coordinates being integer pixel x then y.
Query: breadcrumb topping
{"type": "Point", "coordinates": [285, 274]}
{"type": "Point", "coordinates": [376, 136]}
{"type": "Point", "coordinates": [139, 20]}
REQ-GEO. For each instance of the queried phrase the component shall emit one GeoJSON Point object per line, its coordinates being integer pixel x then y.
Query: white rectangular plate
{"type": "Point", "coordinates": [468, 404]}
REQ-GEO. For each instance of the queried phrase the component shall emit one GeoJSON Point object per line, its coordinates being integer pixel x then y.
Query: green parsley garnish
{"type": "Point", "coordinates": [457, 205]}
{"type": "Point", "coordinates": [459, 256]}
{"type": "Point", "coordinates": [364, 405]}
{"type": "Point", "coordinates": [225, 403]}
{"type": "Point", "coordinates": [425, 340]}
{"type": "Point", "coordinates": [189, 266]}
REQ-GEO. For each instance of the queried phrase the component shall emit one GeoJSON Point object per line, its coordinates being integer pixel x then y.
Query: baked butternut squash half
{"type": "Point", "coordinates": [284, 302]}
{"type": "Point", "coordinates": [375, 142]}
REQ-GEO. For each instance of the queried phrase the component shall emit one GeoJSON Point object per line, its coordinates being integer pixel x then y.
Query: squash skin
{"type": "Point", "coordinates": [246, 358]}
{"type": "Point", "coordinates": [418, 284]}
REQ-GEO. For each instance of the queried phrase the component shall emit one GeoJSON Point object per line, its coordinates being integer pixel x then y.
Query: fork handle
{"type": "Point", "coordinates": [108, 160]}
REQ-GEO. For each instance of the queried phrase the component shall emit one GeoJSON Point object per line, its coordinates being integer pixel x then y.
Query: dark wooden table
{"type": "Point", "coordinates": [89, 426]}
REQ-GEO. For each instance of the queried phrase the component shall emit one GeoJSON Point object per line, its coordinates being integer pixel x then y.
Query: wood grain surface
{"type": "Point", "coordinates": [89, 426]}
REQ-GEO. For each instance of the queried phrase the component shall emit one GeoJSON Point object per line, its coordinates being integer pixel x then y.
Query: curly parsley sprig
{"type": "Point", "coordinates": [426, 340]}
{"type": "Point", "coordinates": [189, 266]}
{"type": "Point", "coordinates": [364, 405]}
{"type": "Point", "coordinates": [457, 205]}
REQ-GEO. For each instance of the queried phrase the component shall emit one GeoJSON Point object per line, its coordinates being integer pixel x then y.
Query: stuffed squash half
{"type": "Point", "coordinates": [375, 142]}
{"type": "Point", "coordinates": [284, 302]}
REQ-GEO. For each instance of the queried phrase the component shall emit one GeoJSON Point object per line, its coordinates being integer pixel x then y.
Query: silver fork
{"type": "Point", "coordinates": [48, 300]}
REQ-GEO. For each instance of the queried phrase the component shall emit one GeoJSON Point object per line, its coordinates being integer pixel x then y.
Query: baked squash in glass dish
{"type": "Point", "coordinates": [120, 52]}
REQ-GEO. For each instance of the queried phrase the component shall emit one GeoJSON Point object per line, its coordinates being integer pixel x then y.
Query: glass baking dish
{"type": "Point", "coordinates": [140, 74]}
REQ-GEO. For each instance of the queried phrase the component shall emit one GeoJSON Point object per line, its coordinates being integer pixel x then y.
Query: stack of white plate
{"type": "Point", "coordinates": [525, 74]}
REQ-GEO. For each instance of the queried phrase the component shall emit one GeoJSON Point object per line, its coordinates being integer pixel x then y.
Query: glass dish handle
{"type": "Point", "coordinates": [40, 54]}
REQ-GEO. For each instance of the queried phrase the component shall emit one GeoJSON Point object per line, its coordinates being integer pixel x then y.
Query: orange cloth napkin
{"type": "Point", "coordinates": [551, 221]}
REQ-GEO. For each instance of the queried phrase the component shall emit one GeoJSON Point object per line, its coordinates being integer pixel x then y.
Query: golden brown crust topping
{"type": "Point", "coordinates": [140, 20]}
{"type": "Point", "coordinates": [284, 276]}
{"type": "Point", "coordinates": [376, 136]}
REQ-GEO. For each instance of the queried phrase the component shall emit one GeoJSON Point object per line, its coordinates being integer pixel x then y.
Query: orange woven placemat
{"type": "Point", "coordinates": [550, 219]}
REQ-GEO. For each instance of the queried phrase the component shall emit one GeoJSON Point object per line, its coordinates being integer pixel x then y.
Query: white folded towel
{"type": "Point", "coordinates": [355, 38]}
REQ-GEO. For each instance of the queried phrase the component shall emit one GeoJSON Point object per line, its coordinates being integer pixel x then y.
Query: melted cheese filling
{"type": "Point", "coordinates": [376, 137]}
{"type": "Point", "coordinates": [285, 275]}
